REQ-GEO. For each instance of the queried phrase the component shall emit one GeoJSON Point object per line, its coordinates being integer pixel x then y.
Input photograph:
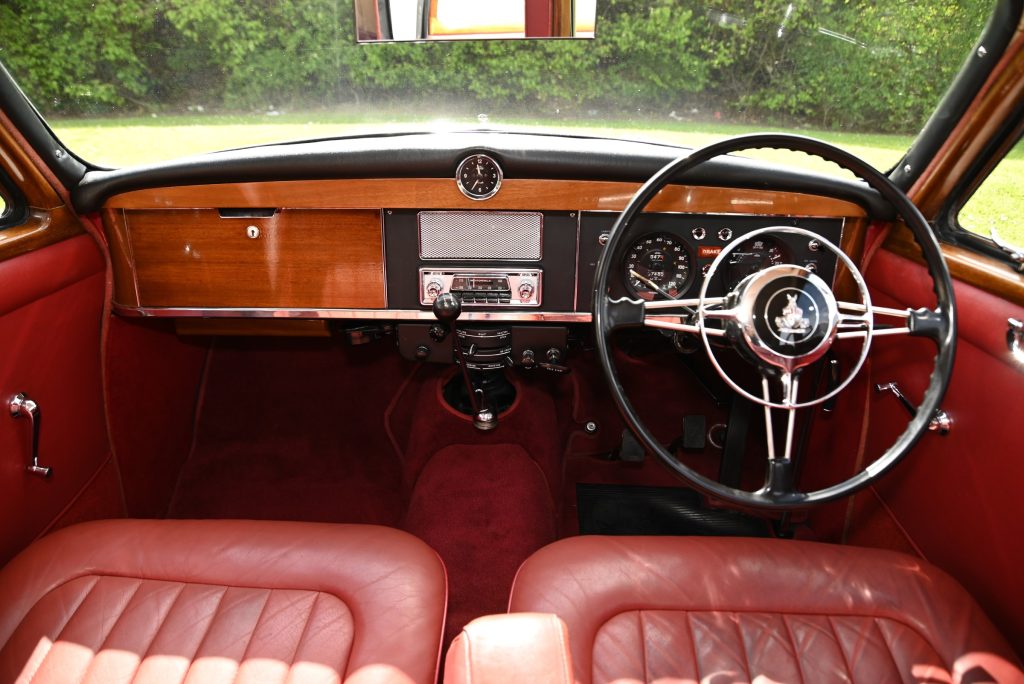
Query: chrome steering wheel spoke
{"type": "Point", "coordinates": [856, 321]}
{"type": "Point", "coordinates": [779, 477]}
{"type": "Point", "coordinates": [689, 321]}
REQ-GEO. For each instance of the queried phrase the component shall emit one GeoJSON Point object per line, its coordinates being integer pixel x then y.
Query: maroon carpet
{"type": "Point", "coordinates": [294, 430]}
{"type": "Point", "coordinates": [484, 509]}
{"type": "Point", "coordinates": [314, 430]}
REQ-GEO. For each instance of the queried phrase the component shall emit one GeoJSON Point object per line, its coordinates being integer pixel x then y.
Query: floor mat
{"type": "Point", "coordinates": [621, 510]}
{"type": "Point", "coordinates": [294, 430]}
{"type": "Point", "coordinates": [484, 509]}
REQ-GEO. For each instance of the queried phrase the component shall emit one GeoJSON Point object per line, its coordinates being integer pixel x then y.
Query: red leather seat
{"type": "Point", "coordinates": [648, 609]}
{"type": "Point", "coordinates": [222, 601]}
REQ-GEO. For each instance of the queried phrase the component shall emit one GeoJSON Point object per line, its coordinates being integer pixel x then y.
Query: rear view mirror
{"type": "Point", "coordinates": [403, 20]}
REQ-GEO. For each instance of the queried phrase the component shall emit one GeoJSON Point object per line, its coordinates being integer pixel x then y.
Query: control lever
{"type": "Point", "coordinates": [941, 421]}
{"type": "Point", "coordinates": [447, 308]}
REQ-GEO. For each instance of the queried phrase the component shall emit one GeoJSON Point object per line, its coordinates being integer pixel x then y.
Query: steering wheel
{"type": "Point", "coordinates": [781, 319]}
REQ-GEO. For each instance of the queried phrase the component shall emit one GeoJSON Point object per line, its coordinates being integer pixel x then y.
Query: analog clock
{"type": "Point", "coordinates": [478, 177]}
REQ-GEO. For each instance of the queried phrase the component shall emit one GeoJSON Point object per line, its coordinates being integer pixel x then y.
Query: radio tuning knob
{"type": "Point", "coordinates": [434, 288]}
{"type": "Point", "coordinates": [526, 290]}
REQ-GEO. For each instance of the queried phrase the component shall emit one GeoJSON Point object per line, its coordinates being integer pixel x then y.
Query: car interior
{"type": "Point", "coordinates": [489, 405]}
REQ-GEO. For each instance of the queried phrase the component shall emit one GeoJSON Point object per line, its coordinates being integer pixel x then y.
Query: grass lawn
{"type": "Point", "coordinates": [131, 141]}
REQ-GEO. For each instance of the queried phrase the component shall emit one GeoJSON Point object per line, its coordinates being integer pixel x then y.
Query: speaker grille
{"type": "Point", "coordinates": [496, 235]}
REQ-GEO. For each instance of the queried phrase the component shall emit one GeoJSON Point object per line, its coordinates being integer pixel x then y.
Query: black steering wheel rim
{"type": "Point", "coordinates": [943, 332]}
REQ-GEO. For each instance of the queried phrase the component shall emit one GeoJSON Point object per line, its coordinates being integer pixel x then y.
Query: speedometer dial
{"type": "Point", "coordinates": [657, 267]}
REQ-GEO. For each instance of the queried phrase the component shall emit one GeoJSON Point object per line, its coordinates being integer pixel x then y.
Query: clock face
{"type": "Point", "coordinates": [478, 177]}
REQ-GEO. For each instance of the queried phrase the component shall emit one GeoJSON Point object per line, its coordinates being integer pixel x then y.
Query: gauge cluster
{"type": "Point", "coordinates": [667, 255]}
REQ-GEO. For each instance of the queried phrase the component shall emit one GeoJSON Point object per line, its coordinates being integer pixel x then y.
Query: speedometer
{"type": "Point", "coordinates": [657, 267]}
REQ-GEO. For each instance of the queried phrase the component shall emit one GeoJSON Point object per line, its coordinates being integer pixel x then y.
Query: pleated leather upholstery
{"type": "Point", "coordinates": [670, 610]}
{"type": "Point", "coordinates": [222, 601]}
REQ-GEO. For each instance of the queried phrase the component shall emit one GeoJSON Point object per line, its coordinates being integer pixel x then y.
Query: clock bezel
{"type": "Point", "coordinates": [468, 193]}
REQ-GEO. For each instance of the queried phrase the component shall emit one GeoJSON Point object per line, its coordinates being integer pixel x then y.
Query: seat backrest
{"type": "Point", "coordinates": [688, 608]}
{"type": "Point", "coordinates": [220, 601]}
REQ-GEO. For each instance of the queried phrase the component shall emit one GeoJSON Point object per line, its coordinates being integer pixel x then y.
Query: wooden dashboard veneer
{"type": "Point", "coordinates": [300, 258]}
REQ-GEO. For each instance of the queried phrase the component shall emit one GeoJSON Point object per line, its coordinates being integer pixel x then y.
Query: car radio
{"type": "Point", "coordinates": [482, 287]}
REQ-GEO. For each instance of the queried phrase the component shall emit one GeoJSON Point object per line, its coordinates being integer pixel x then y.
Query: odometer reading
{"type": "Point", "coordinates": [657, 266]}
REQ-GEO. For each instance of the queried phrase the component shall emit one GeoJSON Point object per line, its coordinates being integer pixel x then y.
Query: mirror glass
{"type": "Point", "coordinates": [403, 20]}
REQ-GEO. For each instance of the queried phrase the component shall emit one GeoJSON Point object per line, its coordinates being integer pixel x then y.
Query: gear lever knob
{"type": "Point", "coordinates": [447, 308]}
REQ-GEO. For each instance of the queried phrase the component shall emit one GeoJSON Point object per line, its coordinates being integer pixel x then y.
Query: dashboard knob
{"type": "Point", "coordinates": [438, 332]}
{"type": "Point", "coordinates": [529, 359]}
{"type": "Point", "coordinates": [434, 289]}
{"type": "Point", "coordinates": [526, 290]}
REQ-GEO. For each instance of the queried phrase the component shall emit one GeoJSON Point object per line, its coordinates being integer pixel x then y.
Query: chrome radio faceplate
{"type": "Point", "coordinates": [482, 287]}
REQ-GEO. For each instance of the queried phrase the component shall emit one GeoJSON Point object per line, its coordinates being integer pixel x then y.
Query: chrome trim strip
{"type": "Point", "coordinates": [383, 254]}
{"type": "Point", "coordinates": [576, 272]}
{"type": "Point", "coordinates": [362, 314]}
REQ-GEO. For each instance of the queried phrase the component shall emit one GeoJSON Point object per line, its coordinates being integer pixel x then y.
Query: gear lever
{"type": "Point", "coordinates": [447, 308]}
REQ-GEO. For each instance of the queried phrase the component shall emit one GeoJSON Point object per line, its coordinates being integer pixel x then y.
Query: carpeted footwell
{"type": "Point", "coordinates": [295, 431]}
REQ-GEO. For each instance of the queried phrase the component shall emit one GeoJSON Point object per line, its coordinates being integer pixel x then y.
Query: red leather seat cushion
{"type": "Point", "coordinates": [222, 601]}
{"type": "Point", "coordinates": [695, 609]}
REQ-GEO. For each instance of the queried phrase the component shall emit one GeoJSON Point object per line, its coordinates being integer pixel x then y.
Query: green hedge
{"type": "Point", "coordinates": [853, 64]}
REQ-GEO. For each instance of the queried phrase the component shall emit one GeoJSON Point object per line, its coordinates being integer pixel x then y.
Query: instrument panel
{"type": "Point", "coordinates": [551, 268]}
{"type": "Point", "coordinates": [668, 254]}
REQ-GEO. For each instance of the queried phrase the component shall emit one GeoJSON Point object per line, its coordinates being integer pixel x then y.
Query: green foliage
{"type": "Point", "coordinates": [77, 55]}
{"type": "Point", "coordinates": [854, 64]}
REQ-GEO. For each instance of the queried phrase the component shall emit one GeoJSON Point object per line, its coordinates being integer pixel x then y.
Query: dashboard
{"type": "Point", "coordinates": [235, 241]}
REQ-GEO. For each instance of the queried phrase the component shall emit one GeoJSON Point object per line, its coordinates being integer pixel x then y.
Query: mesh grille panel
{"type": "Point", "coordinates": [480, 235]}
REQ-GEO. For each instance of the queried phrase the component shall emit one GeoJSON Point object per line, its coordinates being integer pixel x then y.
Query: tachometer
{"type": "Point", "coordinates": [657, 267]}
{"type": "Point", "coordinates": [753, 256]}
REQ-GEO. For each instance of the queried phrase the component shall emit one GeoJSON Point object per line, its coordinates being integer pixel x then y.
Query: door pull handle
{"type": "Point", "coordinates": [1015, 338]}
{"type": "Point", "coordinates": [23, 407]}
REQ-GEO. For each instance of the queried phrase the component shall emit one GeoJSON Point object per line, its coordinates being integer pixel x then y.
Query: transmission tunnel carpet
{"type": "Point", "coordinates": [484, 509]}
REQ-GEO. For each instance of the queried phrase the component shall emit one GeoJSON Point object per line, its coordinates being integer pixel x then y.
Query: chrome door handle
{"type": "Point", "coordinates": [1015, 338]}
{"type": "Point", "coordinates": [941, 421]}
{"type": "Point", "coordinates": [23, 407]}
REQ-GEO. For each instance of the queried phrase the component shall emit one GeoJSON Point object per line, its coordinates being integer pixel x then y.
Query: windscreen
{"type": "Point", "coordinates": [125, 82]}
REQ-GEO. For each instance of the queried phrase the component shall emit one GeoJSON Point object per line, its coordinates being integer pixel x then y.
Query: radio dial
{"type": "Point", "coordinates": [526, 290]}
{"type": "Point", "coordinates": [434, 289]}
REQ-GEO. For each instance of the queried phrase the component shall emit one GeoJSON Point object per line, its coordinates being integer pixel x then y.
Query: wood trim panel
{"type": "Point", "coordinates": [302, 258]}
{"type": "Point", "coordinates": [22, 169]}
{"type": "Point", "coordinates": [126, 287]}
{"type": "Point", "coordinates": [48, 221]}
{"type": "Point", "coordinates": [998, 99]}
{"type": "Point", "coordinates": [966, 265]}
{"type": "Point", "coordinates": [441, 193]}
{"type": "Point", "coordinates": [42, 227]}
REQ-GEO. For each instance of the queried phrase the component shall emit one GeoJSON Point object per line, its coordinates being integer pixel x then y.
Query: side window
{"type": "Point", "coordinates": [998, 202]}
